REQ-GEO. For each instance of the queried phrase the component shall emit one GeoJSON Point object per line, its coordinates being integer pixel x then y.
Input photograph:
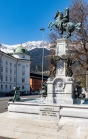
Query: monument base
{"type": "Point", "coordinates": [59, 101]}
{"type": "Point", "coordinates": [43, 111]}
{"type": "Point", "coordinates": [60, 90]}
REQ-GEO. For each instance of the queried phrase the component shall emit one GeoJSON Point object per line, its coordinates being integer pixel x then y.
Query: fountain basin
{"type": "Point", "coordinates": [38, 108]}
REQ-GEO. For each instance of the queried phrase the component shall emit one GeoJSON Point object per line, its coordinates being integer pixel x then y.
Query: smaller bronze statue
{"type": "Point", "coordinates": [69, 71]}
{"type": "Point", "coordinates": [53, 70]}
{"type": "Point", "coordinates": [16, 94]}
{"type": "Point", "coordinates": [78, 90]}
{"type": "Point", "coordinates": [70, 60]}
{"type": "Point", "coordinates": [43, 90]}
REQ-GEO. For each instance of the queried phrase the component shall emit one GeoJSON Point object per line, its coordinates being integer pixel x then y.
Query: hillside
{"type": "Point", "coordinates": [36, 59]}
{"type": "Point", "coordinates": [35, 49]}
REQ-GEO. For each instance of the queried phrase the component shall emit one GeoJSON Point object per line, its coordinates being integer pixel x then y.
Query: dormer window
{"type": "Point", "coordinates": [23, 50]}
{"type": "Point", "coordinates": [23, 56]}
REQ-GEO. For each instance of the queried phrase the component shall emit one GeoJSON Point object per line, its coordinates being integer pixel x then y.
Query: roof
{"type": "Point", "coordinates": [38, 76]}
{"type": "Point", "coordinates": [21, 50]}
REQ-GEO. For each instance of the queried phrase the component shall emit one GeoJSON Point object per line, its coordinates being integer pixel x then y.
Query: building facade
{"type": "Point", "coordinates": [36, 80]}
{"type": "Point", "coordinates": [15, 70]}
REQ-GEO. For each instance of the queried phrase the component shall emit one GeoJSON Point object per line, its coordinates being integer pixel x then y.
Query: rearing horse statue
{"type": "Point", "coordinates": [62, 23]}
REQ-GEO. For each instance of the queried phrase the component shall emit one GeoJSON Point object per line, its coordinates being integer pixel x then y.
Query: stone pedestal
{"type": "Point", "coordinates": [62, 47]}
{"type": "Point", "coordinates": [60, 89]}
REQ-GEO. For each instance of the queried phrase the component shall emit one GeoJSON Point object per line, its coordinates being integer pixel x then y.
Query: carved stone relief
{"type": "Point", "coordinates": [59, 85]}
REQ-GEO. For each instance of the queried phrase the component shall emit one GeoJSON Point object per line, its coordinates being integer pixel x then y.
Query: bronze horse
{"type": "Point", "coordinates": [62, 26]}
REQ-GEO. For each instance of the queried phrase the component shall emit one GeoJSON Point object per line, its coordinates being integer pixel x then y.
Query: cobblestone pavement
{"type": "Point", "coordinates": [14, 127]}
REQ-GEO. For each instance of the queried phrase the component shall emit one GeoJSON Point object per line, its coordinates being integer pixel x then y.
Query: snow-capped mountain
{"type": "Point", "coordinates": [28, 45]}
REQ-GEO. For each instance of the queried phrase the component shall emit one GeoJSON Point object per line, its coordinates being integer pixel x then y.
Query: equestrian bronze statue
{"type": "Point", "coordinates": [63, 24]}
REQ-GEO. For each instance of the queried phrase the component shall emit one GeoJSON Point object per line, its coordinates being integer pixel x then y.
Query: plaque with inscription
{"type": "Point", "coordinates": [49, 112]}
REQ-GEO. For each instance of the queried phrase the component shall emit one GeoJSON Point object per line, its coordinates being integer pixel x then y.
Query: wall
{"type": "Point", "coordinates": [35, 84]}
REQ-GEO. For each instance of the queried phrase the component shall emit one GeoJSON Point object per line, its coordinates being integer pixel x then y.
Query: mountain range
{"type": "Point", "coordinates": [28, 45]}
{"type": "Point", "coordinates": [35, 49]}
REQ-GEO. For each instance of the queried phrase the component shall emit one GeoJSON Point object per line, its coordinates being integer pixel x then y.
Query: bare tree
{"type": "Point", "coordinates": [79, 13]}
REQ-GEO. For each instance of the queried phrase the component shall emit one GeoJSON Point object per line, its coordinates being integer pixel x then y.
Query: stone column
{"type": "Point", "coordinates": [50, 97]}
{"type": "Point", "coordinates": [60, 88]}
{"type": "Point", "coordinates": [61, 49]}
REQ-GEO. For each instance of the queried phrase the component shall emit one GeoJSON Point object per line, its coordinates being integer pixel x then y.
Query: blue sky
{"type": "Point", "coordinates": [20, 20]}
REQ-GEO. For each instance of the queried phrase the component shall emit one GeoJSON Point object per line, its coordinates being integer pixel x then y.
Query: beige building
{"type": "Point", "coordinates": [15, 70]}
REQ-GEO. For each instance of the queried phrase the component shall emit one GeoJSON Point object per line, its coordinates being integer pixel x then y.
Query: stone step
{"type": "Point", "coordinates": [25, 128]}
{"type": "Point", "coordinates": [30, 127]}
{"type": "Point", "coordinates": [17, 135]}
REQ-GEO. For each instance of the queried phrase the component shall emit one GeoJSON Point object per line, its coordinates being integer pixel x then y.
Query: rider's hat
{"type": "Point", "coordinates": [67, 9]}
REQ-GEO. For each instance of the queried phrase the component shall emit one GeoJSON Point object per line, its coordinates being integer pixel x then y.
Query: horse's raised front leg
{"type": "Point", "coordinates": [50, 25]}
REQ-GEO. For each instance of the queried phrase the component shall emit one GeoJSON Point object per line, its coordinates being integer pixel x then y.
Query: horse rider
{"type": "Point", "coordinates": [65, 17]}
{"type": "Point", "coordinates": [62, 19]}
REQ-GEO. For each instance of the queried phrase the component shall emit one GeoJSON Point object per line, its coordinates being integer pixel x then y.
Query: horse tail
{"type": "Point", "coordinates": [78, 25]}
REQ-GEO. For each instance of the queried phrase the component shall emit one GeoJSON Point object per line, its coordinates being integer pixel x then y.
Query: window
{"type": "Point", "coordinates": [23, 67]}
{"type": "Point", "coordinates": [23, 56]}
{"type": "Point", "coordinates": [1, 69]}
{"type": "Point", "coordinates": [14, 65]}
{"type": "Point", "coordinates": [23, 87]}
{"type": "Point", "coordinates": [14, 79]}
{"type": "Point", "coordinates": [6, 62]}
{"type": "Point", "coordinates": [23, 80]}
{"type": "Point", "coordinates": [23, 72]}
{"type": "Point", "coordinates": [1, 86]}
{"type": "Point", "coordinates": [10, 79]}
{"type": "Point", "coordinates": [6, 70]}
{"type": "Point", "coordinates": [10, 71]}
{"type": "Point", "coordinates": [6, 78]}
{"type": "Point", "coordinates": [10, 86]}
{"type": "Point", "coordinates": [5, 86]}
{"type": "Point", "coordinates": [14, 71]}
{"type": "Point", "coordinates": [1, 62]}
{"type": "Point", "coordinates": [23, 50]}
{"type": "Point", "coordinates": [10, 64]}
{"type": "Point", "coordinates": [1, 78]}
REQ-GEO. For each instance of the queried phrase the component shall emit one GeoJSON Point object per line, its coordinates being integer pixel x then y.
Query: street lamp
{"type": "Point", "coordinates": [42, 29]}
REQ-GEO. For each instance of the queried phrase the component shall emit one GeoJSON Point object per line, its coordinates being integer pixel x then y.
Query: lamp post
{"type": "Point", "coordinates": [42, 29]}
{"type": "Point", "coordinates": [0, 67]}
